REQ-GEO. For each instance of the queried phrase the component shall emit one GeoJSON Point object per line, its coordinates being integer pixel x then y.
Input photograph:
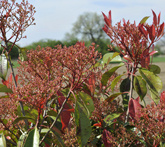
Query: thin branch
{"type": "Point", "coordinates": [130, 93]}
{"type": "Point", "coordinates": [62, 107]}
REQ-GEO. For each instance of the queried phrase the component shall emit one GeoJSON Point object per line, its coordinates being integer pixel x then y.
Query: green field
{"type": "Point", "coordinates": [159, 59]}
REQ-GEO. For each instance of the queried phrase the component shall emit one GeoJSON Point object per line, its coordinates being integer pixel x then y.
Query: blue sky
{"type": "Point", "coordinates": [54, 18]}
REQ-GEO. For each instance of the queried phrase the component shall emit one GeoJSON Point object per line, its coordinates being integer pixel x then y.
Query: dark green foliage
{"type": "Point", "coordinates": [14, 52]}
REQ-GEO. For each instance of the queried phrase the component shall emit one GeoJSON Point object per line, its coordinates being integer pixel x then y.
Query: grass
{"type": "Point", "coordinates": [159, 59]}
{"type": "Point", "coordinates": [15, 63]}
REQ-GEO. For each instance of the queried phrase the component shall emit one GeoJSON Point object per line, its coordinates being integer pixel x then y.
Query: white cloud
{"type": "Point", "coordinates": [54, 18]}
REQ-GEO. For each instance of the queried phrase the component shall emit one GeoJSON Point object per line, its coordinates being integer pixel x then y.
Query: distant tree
{"type": "Point", "coordinates": [88, 27]}
{"type": "Point", "coordinates": [44, 43]}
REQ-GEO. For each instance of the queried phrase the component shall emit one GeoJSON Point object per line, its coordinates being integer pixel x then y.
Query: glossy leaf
{"type": "Point", "coordinates": [3, 88]}
{"type": "Point", "coordinates": [108, 74]}
{"type": "Point", "coordinates": [154, 82]}
{"type": "Point", "coordinates": [134, 108]}
{"type": "Point", "coordinates": [115, 81]}
{"type": "Point", "coordinates": [84, 124]}
{"type": "Point", "coordinates": [125, 87]}
{"type": "Point", "coordinates": [161, 29]}
{"type": "Point", "coordinates": [155, 69]}
{"type": "Point", "coordinates": [106, 135]}
{"type": "Point", "coordinates": [3, 66]}
{"type": "Point", "coordinates": [112, 97]}
{"type": "Point", "coordinates": [65, 114]}
{"type": "Point", "coordinates": [109, 119]}
{"type": "Point", "coordinates": [21, 140]}
{"type": "Point", "coordinates": [33, 138]}
{"type": "Point", "coordinates": [87, 102]}
{"type": "Point", "coordinates": [144, 20]}
{"type": "Point", "coordinates": [140, 86]}
{"type": "Point", "coordinates": [2, 140]}
{"type": "Point", "coordinates": [155, 21]}
{"type": "Point", "coordinates": [23, 118]}
{"type": "Point", "coordinates": [111, 57]}
{"type": "Point", "coordinates": [59, 140]}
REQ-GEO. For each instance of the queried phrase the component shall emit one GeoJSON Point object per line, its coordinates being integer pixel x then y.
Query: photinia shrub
{"type": "Point", "coordinates": [65, 96]}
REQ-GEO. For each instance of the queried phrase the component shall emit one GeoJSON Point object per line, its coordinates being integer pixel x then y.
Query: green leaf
{"type": "Point", "coordinates": [59, 140]}
{"type": "Point", "coordinates": [3, 66]}
{"type": "Point", "coordinates": [87, 102]}
{"type": "Point", "coordinates": [125, 87]}
{"type": "Point", "coordinates": [21, 140]}
{"type": "Point", "coordinates": [23, 118]}
{"type": "Point", "coordinates": [85, 126]}
{"type": "Point", "coordinates": [112, 97]}
{"type": "Point", "coordinates": [2, 140]}
{"type": "Point", "coordinates": [140, 86]}
{"type": "Point", "coordinates": [111, 57]}
{"type": "Point", "coordinates": [109, 119]}
{"type": "Point", "coordinates": [36, 138]}
{"type": "Point", "coordinates": [154, 82]}
{"type": "Point", "coordinates": [45, 130]}
{"type": "Point", "coordinates": [154, 68]}
{"type": "Point", "coordinates": [3, 88]}
{"type": "Point", "coordinates": [33, 138]}
{"type": "Point", "coordinates": [144, 20]}
{"type": "Point", "coordinates": [115, 81]}
{"type": "Point", "coordinates": [108, 74]}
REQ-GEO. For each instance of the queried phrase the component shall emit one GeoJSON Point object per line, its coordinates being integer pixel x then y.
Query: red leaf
{"type": "Point", "coordinates": [107, 21]}
{"type": "Point", "coordinates": [91, 83]}
{"type": "Point", "coordinates": [134, 107]}
{"type": "Point", "coordinates": [153, 32]}
{"type": "Point", "coordinates": [161, 29]}
{"type": "Point", "coordinates": [143, 31]}
{"type": "Point", "coordinates": [106, 138]}
{"type": "Point", "coordinates": [149, 30]}
{"type": "Point", "coordinates": [110, 18]}
{"type": "Point", "coordinates": [98, 124]}
{"type": "Point", "coordinates": [152, 53]}
{"type": "Point", "coordinates": [162, 97]}
{"type": "Point", "coordinates": [16, 78]}
{"type": "Point", "coordinates": [66, 112]}
{"type": "Point", "coordinates": [105, 28]}
{"type": "Point", "coordinates": [159, 18]}
{"type": "Point", "coordinates": [154, 18]}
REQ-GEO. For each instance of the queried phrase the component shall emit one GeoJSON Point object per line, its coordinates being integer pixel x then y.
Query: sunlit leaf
{"type": "Point", "coordinates": [108, 74]}
{"type": "Point", "coordinates": [115, 81]}
{"type": "Point", "coordinates": [112, 97]}
{"type": "Point", "coordinates": [23, 118]}
{"type": "Point", "coordinates": [3, 88]}
{"type": "Point", "coordinates": [154, 82]}
{"type": "Point", "coordinates": [33, 138]}
{"type": "Point", "coordinates": [144, 20]}
{"type": "Point", "coordinates": [111, 57]}
{"type": "Point", "coordinates": [84, 124]}
{"type": "Point", "coordinates": [87, 102]}
{"type": "Point", "coordinates": [3, 66]}
{"type": "Point", "coordinates": [155, 69]}
{"type": "Point", "coordinates": [2, 140]}
{"type": "Point", "coordinates": [140, 86]}
{"type": "Point", "coordinates": [21, 140]}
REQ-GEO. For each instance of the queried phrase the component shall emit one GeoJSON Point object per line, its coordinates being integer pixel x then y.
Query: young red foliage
{"type": "Point", "coordinates": [66, 112]}
{"type": "Point", "coordinates": [133, 40]}
{"type": "Point", "coordinates": [134, 108]}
